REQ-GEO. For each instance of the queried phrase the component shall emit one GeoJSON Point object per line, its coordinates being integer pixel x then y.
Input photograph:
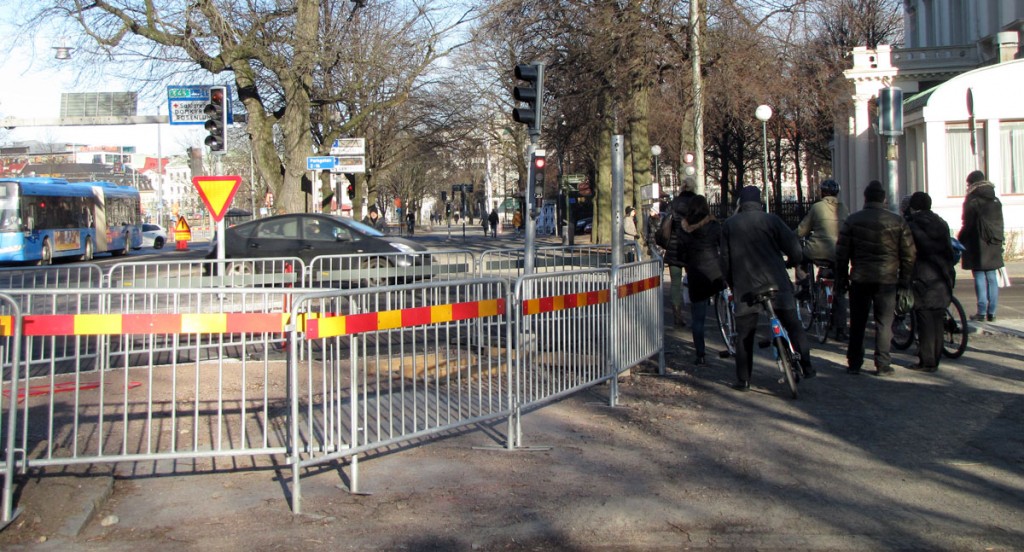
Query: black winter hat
{"type": "Point", "coordinates": [874, 193]}
{"type": "Point", "coordinates": [750, 193]}
{"type": "Point", "coordinates": [920, 201]}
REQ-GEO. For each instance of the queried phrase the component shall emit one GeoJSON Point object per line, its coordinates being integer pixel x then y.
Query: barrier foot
{"type": "Point", "coordinates": [515, 438]}
{"type": "Point", "coordinates": [14, 516]}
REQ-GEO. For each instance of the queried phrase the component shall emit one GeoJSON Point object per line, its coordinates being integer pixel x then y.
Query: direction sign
{"type": "Point", "coordinates": [351, 164]}
{"type": "Point", "coordinates": [217, 193]}
{"type": "Point", "coordinates": [321, 163]}
{"type": "Point", "coordinates": [349, 146]}
{"type": "Point", "coordinates": [185, 104]}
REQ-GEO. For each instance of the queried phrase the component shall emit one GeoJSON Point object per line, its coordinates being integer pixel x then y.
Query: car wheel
{"type": "Point", "coordinates": [240, 272]}
{"type": "Point", "coordinates": [158, 243]}
{"type": "Point", "coordinates": [373, 267]}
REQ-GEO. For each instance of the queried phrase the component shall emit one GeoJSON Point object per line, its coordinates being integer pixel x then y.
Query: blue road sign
{"type": "Point", "coordinates": [322, 163]}
{"type": "Point", "coordinates": [185, 104]}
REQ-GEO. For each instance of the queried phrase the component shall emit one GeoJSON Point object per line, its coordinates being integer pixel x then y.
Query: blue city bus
{"type": "Point", "coordinates": [42, 219]}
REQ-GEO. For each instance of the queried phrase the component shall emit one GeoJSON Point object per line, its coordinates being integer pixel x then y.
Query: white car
{"type": "Point", "coordinates": [153, 235]}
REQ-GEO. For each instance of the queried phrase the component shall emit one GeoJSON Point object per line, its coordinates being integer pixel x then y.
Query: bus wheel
{"type": "Point", "coordinates": [47, 255]}
{"type": "Point", "coordinates": [89, 252]}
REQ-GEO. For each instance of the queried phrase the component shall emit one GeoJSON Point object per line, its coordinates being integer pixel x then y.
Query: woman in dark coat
{"type": "Point", "coordinates": [698, 251]}
{"type": "Point", "coordinates": [933, 279]}
{"type": "Point", "coordinates": [982, 235]}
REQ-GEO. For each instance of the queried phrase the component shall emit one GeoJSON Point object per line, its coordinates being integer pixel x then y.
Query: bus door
{"type": "Point", "coordinates": [99, 219]}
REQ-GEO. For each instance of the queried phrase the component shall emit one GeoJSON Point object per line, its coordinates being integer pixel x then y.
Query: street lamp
{"type": "Point", "coordinates": [764, 113]}
{"type": "Point", "coordinates": [656, 152]}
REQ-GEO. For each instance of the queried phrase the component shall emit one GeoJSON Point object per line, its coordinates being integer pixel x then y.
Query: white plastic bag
{"type": "Point", "coordinates": [1003, 277]}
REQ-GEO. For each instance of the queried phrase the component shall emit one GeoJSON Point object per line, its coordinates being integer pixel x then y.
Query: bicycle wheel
{"type": "Point", "coordinates": [822, 315]}
{"type": "Point", "coordinates": [726, 322]}
{"type": "Point", "coordinates": [805, 308]}
{"type": "Point", "coordinates": [954, 330]}
{"type": "Point", "coordinates": [903, 331]}
{"type": "Point", "coordinates": [785, 361]}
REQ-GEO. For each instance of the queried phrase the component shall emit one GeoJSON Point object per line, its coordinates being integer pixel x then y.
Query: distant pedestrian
{"type": "Point", "coordinates": [982, 235]}
{"type": "Point", "coordinates": [933, 279]}
{"type": "Point", "coordinates": [629, 224]}
{"type": "Point", "coordinates": [493, 219]}
{"type": "Point", "coordinates": [651, 230]}
{"type": "Point", "coordinates": [411, 219]}
{"type": "Point", "coordinates": [517, 222]}
{"type": "Point", "coordinates": [699, 251]}
{"type": "Point", "coordinates": [879, 245]}
{"type": "Point", "coordinates": [374, 220]}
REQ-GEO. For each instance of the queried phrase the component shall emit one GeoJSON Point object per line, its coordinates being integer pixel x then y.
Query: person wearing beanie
{"type": "Point", "coordinates": [756, 249]}
{"type": "Point", "coordinates": [374, 220]}
{"type": "Point", "coordinates": [932, 280]}
{"type": "Point", "coordinates": [982, 235]}
{"type": "Point", "coordinates": [874, 258]}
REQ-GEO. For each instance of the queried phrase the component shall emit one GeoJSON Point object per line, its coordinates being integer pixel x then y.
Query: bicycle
{"type": "Point", "coordinates": [725, 311]}
{"type": "Point", "coordinates": [817, 308]}
{"type": "Point", "coordinates": [954, 330]}
{"type": "Point", "coordinates": [786, 357]}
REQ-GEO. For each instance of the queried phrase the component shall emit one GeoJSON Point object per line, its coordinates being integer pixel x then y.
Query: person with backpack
{"type": "Point", "coordinates": [668, 239]}
{"type": "Point", "coordinates": [699, 252]}
{"type": "Point", "coordinates": [982, 235]}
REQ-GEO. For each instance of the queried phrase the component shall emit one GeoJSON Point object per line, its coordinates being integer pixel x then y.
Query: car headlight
{"type": "Point", "coordinates": [402, 247]}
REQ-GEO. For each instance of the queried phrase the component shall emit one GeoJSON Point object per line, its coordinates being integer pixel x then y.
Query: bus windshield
{"type": "Point", "coordinates": [9, 219]}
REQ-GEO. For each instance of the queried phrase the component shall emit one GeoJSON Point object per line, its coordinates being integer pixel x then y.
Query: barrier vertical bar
{"type": "Point", "coordinates": [12, 422]}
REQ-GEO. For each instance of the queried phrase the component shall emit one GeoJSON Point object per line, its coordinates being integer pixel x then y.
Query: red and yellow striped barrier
{"type": "Point", "coordinates": [316, 325]}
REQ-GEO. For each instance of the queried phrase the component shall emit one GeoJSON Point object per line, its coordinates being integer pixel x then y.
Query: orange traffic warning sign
{"type": "Point", "coordinates": [217, 193]}
{"type": "Point", "coordinates": [182, 234]}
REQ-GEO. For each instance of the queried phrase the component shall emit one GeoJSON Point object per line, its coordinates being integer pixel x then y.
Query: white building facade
{"type": "Point", "coordinates": [962, 79]}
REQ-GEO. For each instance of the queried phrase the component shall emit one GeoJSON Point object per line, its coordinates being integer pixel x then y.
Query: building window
{"type": "Point", "coordinates": [1011, 149]}
{"type": "Point", "coordinates": [960, 160]}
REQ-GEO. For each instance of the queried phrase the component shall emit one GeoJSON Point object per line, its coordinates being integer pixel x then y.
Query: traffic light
{"type": "Point", "coordinates": [532, 94]}
{"type": "Point", "coordinates": [351, 190]}
{"type": "Point", "coordinates": [689, 169]}
{"type": "Point", "coordinates": [536, 184]}
{"type": "Point", "coordinates": [217, 120]}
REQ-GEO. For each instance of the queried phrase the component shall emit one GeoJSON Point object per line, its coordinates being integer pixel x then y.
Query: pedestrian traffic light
{"type": "Point", "coordinates": [532, 93]}
{"type": "Point", "coordinates": [217, 120]}
{"type": "Point", "coordinates": [688, 164]}
{"type": "Point", "coordinates": [536, 185]}
{"type": "Point", "coordinates": [351, 190]}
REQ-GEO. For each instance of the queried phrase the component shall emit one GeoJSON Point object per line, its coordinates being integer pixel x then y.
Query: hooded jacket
{"type": "Point", "coordinates": [698, 250]}
{"type": "Point", "coordinates": [982, 229]}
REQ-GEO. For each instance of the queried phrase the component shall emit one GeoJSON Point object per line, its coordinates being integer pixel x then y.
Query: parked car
{"type": "Point", "coordinates": [309, 235]}
{"type": "Point", "coordinates": [153, 235]}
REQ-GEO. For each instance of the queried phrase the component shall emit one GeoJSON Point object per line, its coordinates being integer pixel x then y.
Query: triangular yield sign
{"type": "Point", "coordinates": [217, 192]}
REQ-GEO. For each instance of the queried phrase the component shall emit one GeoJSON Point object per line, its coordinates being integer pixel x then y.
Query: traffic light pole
{"type": "Point", "coordinates": [530, 199]}
{"type": "Point", "coordinates": [618, 204]}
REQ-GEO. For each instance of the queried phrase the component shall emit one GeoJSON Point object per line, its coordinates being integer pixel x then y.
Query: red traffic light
{"type": "Point", "coordinates": [539, 162]}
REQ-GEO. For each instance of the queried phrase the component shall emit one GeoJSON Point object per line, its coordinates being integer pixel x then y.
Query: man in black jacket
{"type": "Point", "coordinates": [879, 245]}
{"type": "Point", "coordinates": [933, 279]}
{"type": "Point", "coordinates": [756, 248]}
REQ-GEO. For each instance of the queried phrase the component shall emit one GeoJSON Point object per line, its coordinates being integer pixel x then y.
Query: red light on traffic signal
{"type": "Point", "coordinates": [539, 162]}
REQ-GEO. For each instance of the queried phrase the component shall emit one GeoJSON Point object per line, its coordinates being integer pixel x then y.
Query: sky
{"type": "Point", "coordinates": [32, 87]}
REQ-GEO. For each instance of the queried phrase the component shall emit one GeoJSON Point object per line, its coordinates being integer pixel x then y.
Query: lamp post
{"type": "Point", "coordinates": [763, 113]}
{"type": "Point", "coordinates": [656, 152]}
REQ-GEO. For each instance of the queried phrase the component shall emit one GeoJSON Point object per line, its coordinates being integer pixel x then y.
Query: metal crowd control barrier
{"type": "Point", "coordinates": [387, 365]}
{"type": "Point", "coordinates": [151, 369]}
{"type": "Point", "coordinates": [508, 263]}
{"type": "Point", "coordinates": [383, 269]}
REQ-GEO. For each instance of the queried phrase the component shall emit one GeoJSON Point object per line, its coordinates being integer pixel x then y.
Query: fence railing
{"type": "Point", "coordinates": [284, 365]}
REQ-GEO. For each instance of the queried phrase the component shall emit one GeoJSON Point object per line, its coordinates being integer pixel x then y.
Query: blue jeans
{"type": "Point", "coordinates": [698, 315]}
{"type": "Point", "coordinates": [986, 287]}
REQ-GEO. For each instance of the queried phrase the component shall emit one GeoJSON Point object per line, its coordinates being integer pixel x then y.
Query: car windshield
{"type": "Point", "coordinates": [361, 228]}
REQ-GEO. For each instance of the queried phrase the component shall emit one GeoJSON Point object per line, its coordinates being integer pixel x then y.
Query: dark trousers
{"type": "Point", "coordinates": [928, 323]}
{"type": "Point", "coordinates": [698, 315]}
{"type": "Point", "coordinates": [746, 328]}
{"type": "Point", "coordinates": [864, 297]}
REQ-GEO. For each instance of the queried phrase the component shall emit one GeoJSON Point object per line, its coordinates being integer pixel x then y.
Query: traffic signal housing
{"type": "Point", "coordinates": [689, 169]}
{"type": "Point", "coordinates": [536, 185]}
{"type": "Point", "coordinates": [351, 190]}
{"type": "Point", "coordinates": [217, 120]}
{"type": "Point", "coordinates": [532, 94]}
